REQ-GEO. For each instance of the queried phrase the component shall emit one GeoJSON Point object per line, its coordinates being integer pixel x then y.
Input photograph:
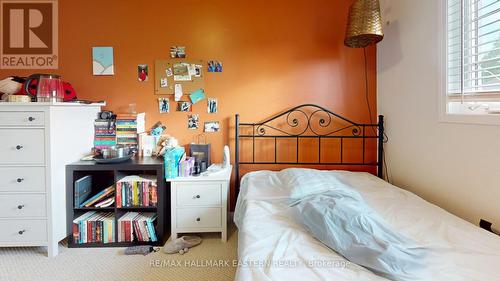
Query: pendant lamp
{"type": "Point", "coordinates": [364, 25]}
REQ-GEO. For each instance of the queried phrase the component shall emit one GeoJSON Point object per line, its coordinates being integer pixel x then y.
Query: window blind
{"type": "Point", "coordinates": [473, 46]}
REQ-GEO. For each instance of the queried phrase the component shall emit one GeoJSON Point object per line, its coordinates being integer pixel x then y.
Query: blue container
{"type": "Point", "coordinates": [172, 158]}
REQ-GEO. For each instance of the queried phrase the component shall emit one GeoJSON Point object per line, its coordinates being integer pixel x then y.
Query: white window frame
{"type": "Point", "coordinates": [473, 117]}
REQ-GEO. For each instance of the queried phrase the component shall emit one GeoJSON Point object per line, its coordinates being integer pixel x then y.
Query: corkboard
{"type": "Point", "coordinates": [188, 87]}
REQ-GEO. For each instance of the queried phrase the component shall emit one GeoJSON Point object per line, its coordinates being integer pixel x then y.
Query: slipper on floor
{"type": "Point", "coordinates": [175, 246]}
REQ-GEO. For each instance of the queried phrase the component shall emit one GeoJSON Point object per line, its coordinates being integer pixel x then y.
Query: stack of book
{"type": "Point", "coordinates": [94, 227]}
{"type": "Point", "coordinates": [102, 199]}
{"type": "Point", "coordinates": [139, 227]}
{"type": "Point", "coordinates": [104, 133]}
{"type": "Point", "coordinates": [126, 129]}
{"type": "Point", "coordinates": [137, 191]}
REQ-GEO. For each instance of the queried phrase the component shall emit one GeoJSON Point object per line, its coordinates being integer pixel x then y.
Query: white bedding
{"type": "Point", "coordinates": [273, 247]}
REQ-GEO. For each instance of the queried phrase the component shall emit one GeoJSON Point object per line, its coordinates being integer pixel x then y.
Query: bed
{"type": "Point", "coordinates": [273, 246]}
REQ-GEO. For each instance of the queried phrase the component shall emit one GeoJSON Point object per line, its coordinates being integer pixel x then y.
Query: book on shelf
{"type": "Point", "coordinates": [94, 227]}
{"type": "Point", "coordinates": [137, 191]}
{"type": "Point", "coordinates": [100, 196]}
{"type": "Point", "coordinates": [134, 226]}
{"type": "Point", "coordinates": [83, 187]}
{"type": "Point", "coordinates": [104, 133]}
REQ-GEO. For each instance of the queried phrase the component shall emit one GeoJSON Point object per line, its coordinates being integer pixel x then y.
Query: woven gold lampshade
{"type": "Point", "coordinates": [364, 26]}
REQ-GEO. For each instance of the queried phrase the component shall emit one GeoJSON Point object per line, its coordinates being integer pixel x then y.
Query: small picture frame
{"type": "Point", "coordinates": [212, 105]}
{"type": "Point", "coordinates": [212, 127]}
{"type": "Point", "coordinates": [193, 120]}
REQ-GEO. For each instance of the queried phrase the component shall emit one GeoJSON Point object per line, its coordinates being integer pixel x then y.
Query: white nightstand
{"type": "Point", "coordinates": [199, 204]}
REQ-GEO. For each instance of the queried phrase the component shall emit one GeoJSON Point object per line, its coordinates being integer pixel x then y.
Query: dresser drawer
{"type": "Point", "coordinates": [22, 118]}
{"type": "Point", "coordinates": [22, 205]}
{"type": "Point", "coordinates": [202, 194]}
{"type": "Point", "coordinates": [22, 146]}
{"type": "Point", "coordinates": [199, 218]}
{"type": "Point", "coordinates": [22, 179]}
{"type": "Point", "coordinates": [23, 230]}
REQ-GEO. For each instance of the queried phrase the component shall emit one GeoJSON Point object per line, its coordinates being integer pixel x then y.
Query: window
{"type": "Point", "coordinates": [473, 56]}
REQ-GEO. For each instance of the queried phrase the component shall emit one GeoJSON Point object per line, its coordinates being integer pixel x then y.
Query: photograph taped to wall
{"type": "Point", "coordinates": [212, 105]}
{"type": "Point", "coordinates": [142, 72]}
{"type": "Point", "coordinates": [212, 126]}
{"type": "Point", "coordinates": [214, 66]}
{"type": "Point", "coordinates": [193, 120]}
{"type": "Point", "coordinates": [177, 52]}
{"type": "Point", "coordinates": [164, 105]}
{"type": "Point", "coordinates": [184, 106]}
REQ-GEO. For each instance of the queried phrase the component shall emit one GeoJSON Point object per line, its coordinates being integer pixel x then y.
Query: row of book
{"type": "Point", "coordinates": [126, 129]}
{"type": "Point", "coordinates": [94, 227]}
{"type": "Point", "coordinates": [104, 133]}
{"type": "Point", "coordinates": [138, 227]}
{"type": "Point", "coordinates": [137, 191]}
{"type": "Point", "coordinates": [104, 198]}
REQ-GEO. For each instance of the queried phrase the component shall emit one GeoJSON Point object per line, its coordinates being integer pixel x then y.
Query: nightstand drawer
{"type": "Point", "coordinates": [199, 194]}
{"type": "Point", "coordinates": [23, 230]}
{"type": "Point", "coordinates": [199, 218]}
{"type": "Point", "coordinates": [22, 205]}
{"type": "Point", "coordinates": [22, 179]}
{"type": "Point", "coordinates": [22, 146]}
{"type": "Point", "coordinates": [22, 118]}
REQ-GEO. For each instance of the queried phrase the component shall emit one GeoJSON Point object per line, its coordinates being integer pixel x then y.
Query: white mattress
{"type": "Point", "coordinates": [273, 247]}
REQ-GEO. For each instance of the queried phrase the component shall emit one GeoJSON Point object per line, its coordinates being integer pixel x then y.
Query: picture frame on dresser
{"type": "Point", "coordinates": [37, 143]}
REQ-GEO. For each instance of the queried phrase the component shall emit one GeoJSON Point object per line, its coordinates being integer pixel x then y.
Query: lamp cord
{"type": "Point", "coordinates": [367, 98]}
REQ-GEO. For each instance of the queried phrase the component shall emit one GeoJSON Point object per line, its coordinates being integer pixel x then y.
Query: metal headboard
{"type": "Point", "coordinates": [309, 121]}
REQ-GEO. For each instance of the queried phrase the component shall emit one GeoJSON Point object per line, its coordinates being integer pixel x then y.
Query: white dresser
{"type": "Point", "coordinates": [37, 140]}
{"type": "Point", "coordinates": [199, 204]}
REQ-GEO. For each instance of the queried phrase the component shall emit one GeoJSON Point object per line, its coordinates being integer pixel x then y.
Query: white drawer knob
{"type": "Point", "coordinates": [21, 232]}
{"type": "Point", "coordinates": [19, 180]}
{"type": "Point", "coordinates": [20, 206]}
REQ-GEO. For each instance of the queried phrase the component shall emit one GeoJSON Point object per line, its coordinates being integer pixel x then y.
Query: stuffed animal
{"type": "Point", "coordinates": [11, 86]}
{"type": "Point", "coordinates": [161, 145]}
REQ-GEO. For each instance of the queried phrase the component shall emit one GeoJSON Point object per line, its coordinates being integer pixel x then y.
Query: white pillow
{"type": "Point", "coordinates": [304, 182]}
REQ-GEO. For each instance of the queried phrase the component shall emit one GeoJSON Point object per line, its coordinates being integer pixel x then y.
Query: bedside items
{"type": "Point", "coordinates": [199, 204]}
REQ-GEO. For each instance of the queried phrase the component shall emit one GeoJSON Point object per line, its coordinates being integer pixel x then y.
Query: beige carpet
{"type": "Point", "coordinates": [212, 260]}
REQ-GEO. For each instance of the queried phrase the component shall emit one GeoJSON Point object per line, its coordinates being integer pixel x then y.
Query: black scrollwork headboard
{"type": "Point", "coordinates": [309, 122]}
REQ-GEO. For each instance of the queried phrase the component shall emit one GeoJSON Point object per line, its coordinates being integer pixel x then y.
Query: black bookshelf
{"type": "Point", "coordinates": [104, 175]}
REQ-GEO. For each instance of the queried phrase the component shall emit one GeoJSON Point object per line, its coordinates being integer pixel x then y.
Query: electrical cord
{"type": "Point", "coordinates": [385, 138]}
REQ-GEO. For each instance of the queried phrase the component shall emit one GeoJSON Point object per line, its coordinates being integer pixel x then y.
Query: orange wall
{"type": "Point", "coordinates": [276, 54]}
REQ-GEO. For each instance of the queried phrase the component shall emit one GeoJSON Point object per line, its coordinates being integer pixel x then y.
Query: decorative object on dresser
{"type": "Point", "coordinates": [199, 204]}
{"type": "Point", "coordinates": [130, 197]}
{"type": "Point", "coordinates": [38, 140]}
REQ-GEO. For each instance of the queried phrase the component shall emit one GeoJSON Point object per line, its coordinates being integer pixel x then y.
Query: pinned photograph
{"type": "Point", "coordinates": [214, 66]}
{"type": "Point", "coordinates": [193, 120]}
{"type": "Point", "coordinates": [169, 72]}
{"type": "Point", "coordinates": [142, 72]}
{"type": "Point", "coordinates": [164, 105]}
{"type": "Point", "coordinates": [184, 106]}
{"type": "Point", "coordinates": [197, 69]}
{"type": "Point", "coordinates": [178, 52]}
{"type": "Point", "coordinates": [181, 72]}
{"type": "Point", "coordinates": [178, 92]}
{"type": "Point", "coordinates": [212, 105]}
{"type": "Point", "coordinates": [164, 82]}
{"type": "Point", "coordinates": [212, 127]}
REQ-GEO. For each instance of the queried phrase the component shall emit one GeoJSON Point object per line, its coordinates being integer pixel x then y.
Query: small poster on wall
{"type": "Point", "coordinates": [102, 61]}
{"type": "Point", "coordinates": [214, 66]}
{"type": "Point", "coordinates": [178, 52]}
{"type": "Point", "coordinates": [212, 127]}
